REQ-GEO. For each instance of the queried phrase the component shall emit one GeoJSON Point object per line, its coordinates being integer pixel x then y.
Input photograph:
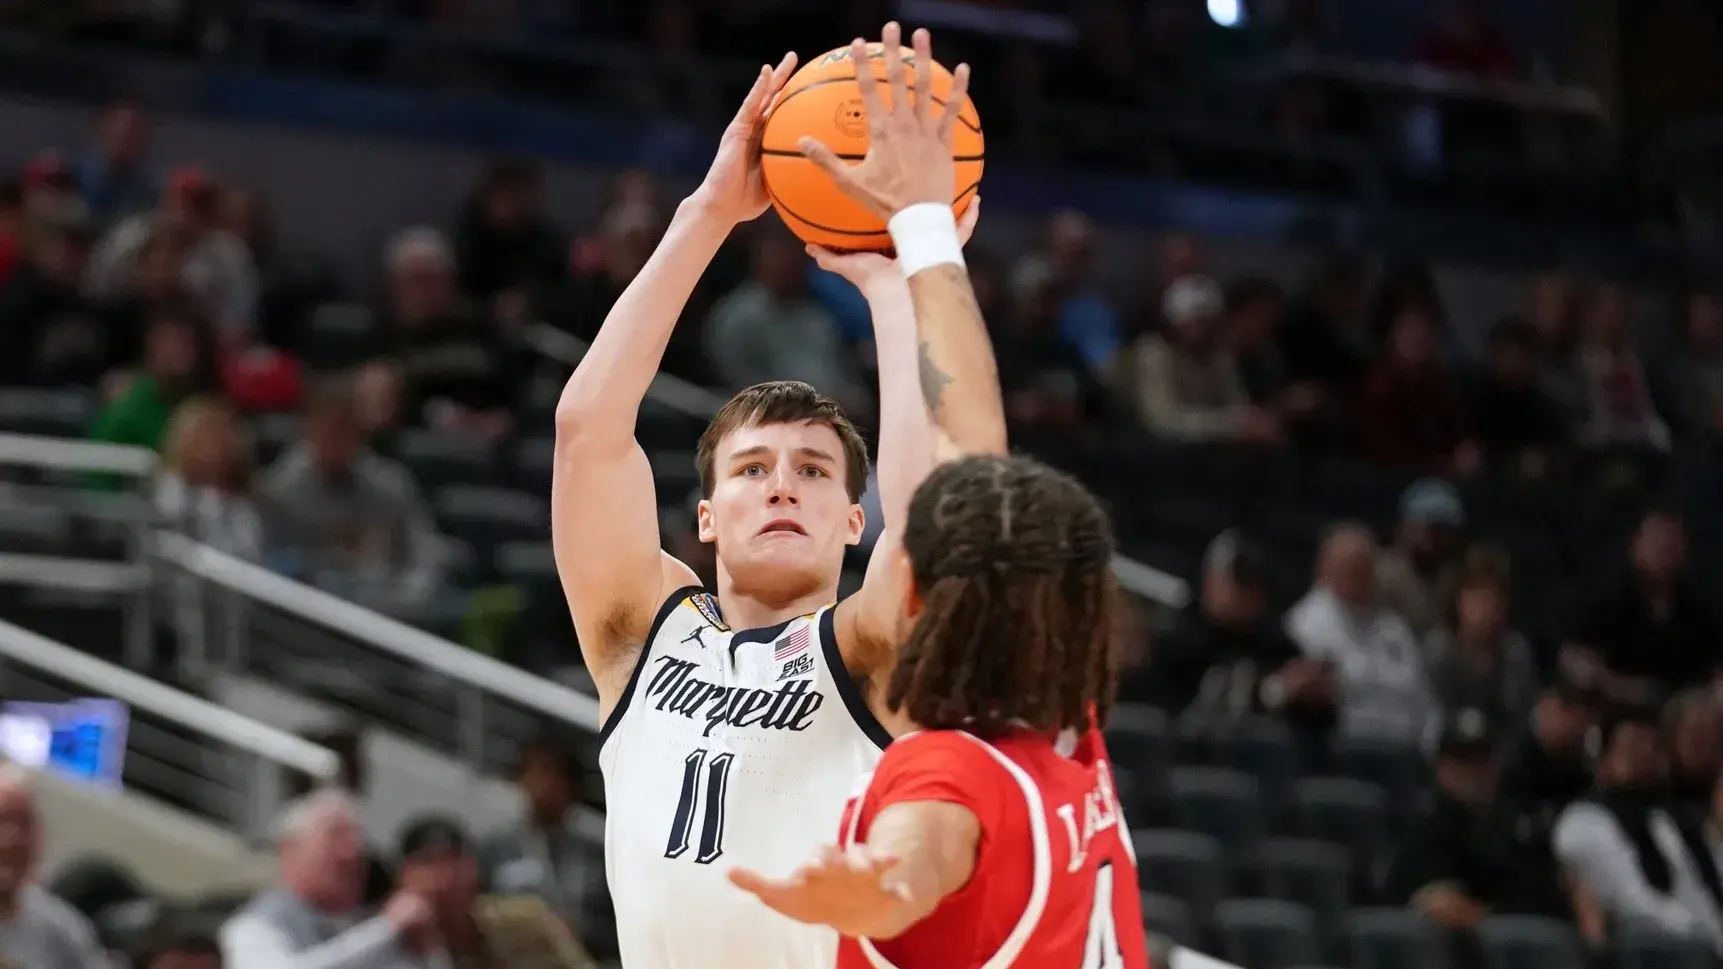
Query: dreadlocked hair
{"type": "Point", "coordinates": [1013, 561]}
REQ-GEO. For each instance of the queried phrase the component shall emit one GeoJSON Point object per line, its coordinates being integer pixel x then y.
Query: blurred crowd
{"type": "Point", "coordinates": [529, 895]}
{"type": "Point", "coordinates": [1571, 778]}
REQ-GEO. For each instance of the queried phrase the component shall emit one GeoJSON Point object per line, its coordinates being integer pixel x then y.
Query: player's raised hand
{"type": "Point", "coordinates": [865, 270]}
{"type": "Point", "coordinates": [733, 187]}
{"type": "Point", "coordinates": [909, 141]}
{"type": "Point", "coordinates": [845, 889]}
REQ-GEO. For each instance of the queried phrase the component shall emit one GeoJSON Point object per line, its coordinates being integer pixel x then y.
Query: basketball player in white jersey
{"type": "Point", "coordinates": [735, 719]}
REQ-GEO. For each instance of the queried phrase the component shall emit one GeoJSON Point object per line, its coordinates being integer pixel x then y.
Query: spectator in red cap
{"type": "Point", "coordinates": [217, 269]}
{"type": "Point", "coordinates": [113, 176]}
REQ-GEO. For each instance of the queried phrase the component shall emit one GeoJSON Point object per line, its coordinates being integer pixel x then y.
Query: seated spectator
{"type": "Point", "coordinates": [348, 746]}
{"type": "Point", "coordinates": [769, 328]}
{"type": "Point", "coordinates": [1254, 311]}
{"type": "Point", "coordinates": [1519, 429]}
{"type": "Point", "coordinates": [1342, 621]}
{"type": "Point", "coordinates": [114, 176]}
{"type": "Point", "coordinates": [1549, 312]}
{"type": "Point", "coordinates": [204, 486]}
{"type": "Point", "coordinates": [1621, 409]}
{"type": "Point", "coordinates": [1225, 655]}
{"type": "Point", "coordinates": [1693, 724]}
{"type": "Point", "coordinates": [1476, 659]}
{"type": "Point", "coordinates": [1550, 764]}
{"type": "Point", "coordinates": [290, 282]}
{"type": "Point", "coordinates": [1630, 864]}
{"type": "Point", "coordinates": [1327, 339]}
{"type": "Point", "coordinates": [177, 364]}
{"type": "Point", "coordinates": [1649, 632]}
{"type": "Point", "coordinates": [341, 515]}
{"type": "Point", "coordinates": [50, 333]}
{"type": "Point", "coordinates": [473, 930]}
{"type": "Point", "coordinates": [1048, 386]}
{"type": "Point", "coordinates": [541, 854]}
{"type": "Point", "coordinates": [1408, 414]}
{"type": "Point", "coordinates": [41, 931]}
{"type": "Point", "coordinates": [310, 916]}
{"type": "Point", "coordinates": [1466, 859]}
{"type": "Point", "coordinates": [378, 390]}
{"type": "Point", "coordinates": [217, 269]}
{"type": "Point", "coordinates": [506, 246]}
{"type": "Point", "coordinates": [1418, 575]}
{"type": "Point", "coordinates": [1184, 381]}
{"type": "Point", "coordinates": [459, 373]}
{"type": "Point", "coordinates": [1084, 317]}
{"type": "Point", "coordinates": [1700, 370]}
{"type": "Point", "coordinates": [179, 950]}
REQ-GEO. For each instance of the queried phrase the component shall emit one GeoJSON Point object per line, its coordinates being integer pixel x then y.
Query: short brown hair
{"type": "Point", "coordinates": [782, 402]}
{"type": "Point", "coordinates": [1014, 563]}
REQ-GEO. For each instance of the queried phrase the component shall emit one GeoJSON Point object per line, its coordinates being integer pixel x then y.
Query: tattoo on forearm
{"type": "Point", "coordinates": [933, 381]}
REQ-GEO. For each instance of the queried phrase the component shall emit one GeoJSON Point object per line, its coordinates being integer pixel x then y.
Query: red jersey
{"type": "Point", "coordinates": [1055, 879]}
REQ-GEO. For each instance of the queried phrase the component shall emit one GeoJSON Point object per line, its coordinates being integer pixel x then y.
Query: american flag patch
{"type": "Point", "coordinates": [795, 644]}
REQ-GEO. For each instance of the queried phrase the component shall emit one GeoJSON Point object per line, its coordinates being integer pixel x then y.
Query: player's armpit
{"type": "Point", "coordinates": [933, 844]}
{"type": "Point", "coordinates": [604, 533]}
{"type": "Point", "coordinates": [866, 622]}
{"type": "Point", "coordinates": [959, 377]}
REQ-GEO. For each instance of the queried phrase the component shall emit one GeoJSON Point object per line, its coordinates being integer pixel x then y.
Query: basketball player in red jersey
{"type": "Point", "coordinates": [991, 835]}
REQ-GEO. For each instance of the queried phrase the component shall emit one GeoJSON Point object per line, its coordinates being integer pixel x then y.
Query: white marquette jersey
{"type": "Point", "coordinates": [728, 748]}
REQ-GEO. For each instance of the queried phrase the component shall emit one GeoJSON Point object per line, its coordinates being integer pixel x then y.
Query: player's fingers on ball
{"type": "Point", "coordinates": [866, 83]}
{"type": "Point", "coordinates": [775, 82]}
{"type": "Point", "coordinates": [922, 42]}
{"type": "Point", "coordinates": [955, 101]}
{"type": "Point", "coordinates": [892, 40]}
{"type": "Point", "coordinates": [971, 215]}
{"type": "Point", "coordinates": [817, 152]}
{"type": "Point", "coordinates": [750, 108]}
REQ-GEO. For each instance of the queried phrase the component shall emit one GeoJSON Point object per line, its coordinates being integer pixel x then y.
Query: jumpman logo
{"type": "Point", "coordinates": [694, 637]}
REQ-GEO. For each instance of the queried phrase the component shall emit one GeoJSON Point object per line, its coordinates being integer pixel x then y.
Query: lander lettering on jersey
{"type": "Point", "coordinates": [728, 747]}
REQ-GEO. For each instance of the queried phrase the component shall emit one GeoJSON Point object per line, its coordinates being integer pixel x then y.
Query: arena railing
{"type": "Point", "coordinates": [1158, 587]}
{"type": "Point", "coordinates": [262, 624]}
{"type": "Point", "coordinates": [126, 580]}
{"type": "Point", "coordinates": [178, 747]}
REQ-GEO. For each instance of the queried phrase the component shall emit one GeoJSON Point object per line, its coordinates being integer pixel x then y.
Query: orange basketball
{"type": "Point", "coordinates": [822, 100]}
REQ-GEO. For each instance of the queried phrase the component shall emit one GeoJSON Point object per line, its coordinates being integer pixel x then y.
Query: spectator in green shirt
{"type": "Point", "coordinates": [175, 365]}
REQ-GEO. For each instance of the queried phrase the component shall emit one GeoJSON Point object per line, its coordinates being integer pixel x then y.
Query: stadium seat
{"type": "Point", "coordinates": [485, 516]}
{"type": "Point", "coordinates": [1222, 803]}
{"type": "Point", "coordinates": [439, 460]}
{"type": "Point", "coordinates": [337, 335]}
{"type": "Point", "coordinates": [1264, 933]}
{"type": "Point", "coordinates": [1166, 916]}
{"type": "Point", "coordinates": [1392, 938]}
{"type": "Point", "coordinates": [1399, 769]}
{"type": "Point", "coordinates": [1313, 873]}
{"type": "Point", "coordinates": [1137, 737]}
{"type": "Point", "coordinates": [1341, 810]}
{"type": "Point", "coordinates": [1260, 747]}
{"type": "Point", "coordinates": [1529, 942]}
{"type": "Point", "coordinates": [1183, 864]}
{"type": "Point", "coordinates": [1645, 950]}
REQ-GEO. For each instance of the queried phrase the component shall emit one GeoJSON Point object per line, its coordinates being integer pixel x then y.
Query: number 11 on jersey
{"type": "Point", "coordinates": [704, 789]}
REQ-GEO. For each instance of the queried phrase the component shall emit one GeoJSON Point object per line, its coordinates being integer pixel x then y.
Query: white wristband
{"type": "Point", "coordinates": [925, 235]}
